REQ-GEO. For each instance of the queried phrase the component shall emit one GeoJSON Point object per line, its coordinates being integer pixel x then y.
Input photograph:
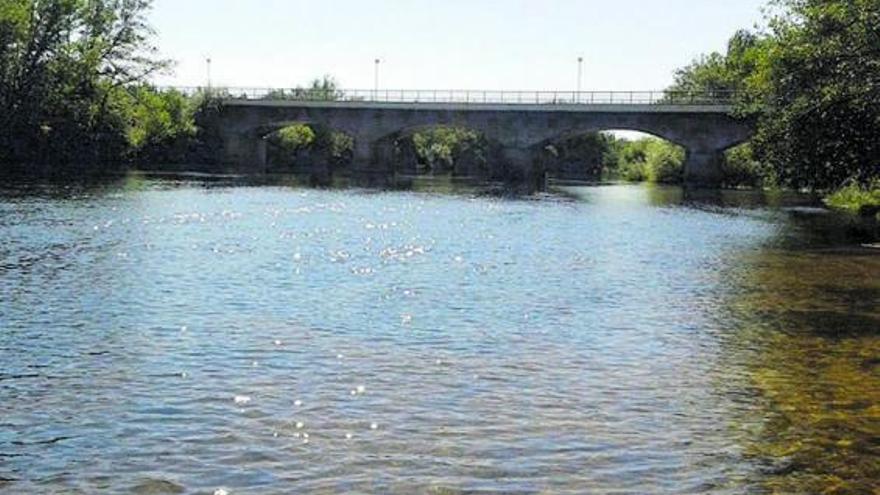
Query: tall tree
{"type": "Point", "coordinates": [62, 63]}
{"type": "Point", "coordinates": [811, 81]}
{"type": "Point", "coordinates": [822, 121]}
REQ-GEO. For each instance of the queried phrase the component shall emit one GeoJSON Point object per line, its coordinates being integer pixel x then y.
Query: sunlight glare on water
{"type": "Point", "coordinates": [198, 337]}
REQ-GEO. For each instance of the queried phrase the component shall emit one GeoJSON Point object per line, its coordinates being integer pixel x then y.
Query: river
{"type": "Point", "coordinates": [183, 335]}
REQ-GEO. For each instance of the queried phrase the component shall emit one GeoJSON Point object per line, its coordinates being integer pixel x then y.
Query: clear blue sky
{"type": "Point", "coordinates": [444, 44]}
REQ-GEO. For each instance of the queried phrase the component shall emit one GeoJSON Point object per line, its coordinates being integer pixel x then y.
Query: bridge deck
{"type": "Point", "coordinates": [493, 107]}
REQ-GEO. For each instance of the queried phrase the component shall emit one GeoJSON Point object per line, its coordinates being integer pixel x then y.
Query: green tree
{"type": "Point", "coordinates": [811, 81]}
{"type": "Point", "coordinates": [582, 156]}
{"type": "Point", "coordinates": [161, 124]}
{"type": "Point", "coordinates": [732, 75]}
{"type": "Point", "coordinates": [310, 145]}
{"type": "Point", "coordinates": [664, 162]}
{"type": "Point", "coordinates": [441, 148]}
{"type": "Point", "coordinates": [320, 89]}
{"type": "Point", "coordinates": [63, 67]}
{"type": "Point", "coordinates": [820, 126]}
{"type": "Point", "coordinates": [650, 159]}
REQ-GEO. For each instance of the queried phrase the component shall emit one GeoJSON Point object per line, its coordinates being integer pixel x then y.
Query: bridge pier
{"type": "Point", "coordinates": [245, 153]}
{"type": "Point", "coordinates": [362, 154]}
{"type": "Point", "coordinates": [703, 167]}
{"type": "Point", "coordinates": [262, 154]}
{"type": "Point", "coordinates": [520, 167]}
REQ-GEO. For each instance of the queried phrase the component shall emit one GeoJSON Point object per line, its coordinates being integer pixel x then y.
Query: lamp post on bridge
{"type": "Point", "coordinates": [208, 70]}
{"type": "Point", "coordinates": [580, 77]}
{"type": "Point", "coordinates": [376, 79]}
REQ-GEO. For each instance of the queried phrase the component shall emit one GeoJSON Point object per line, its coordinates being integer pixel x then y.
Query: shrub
{"type": "Point", "coordinates": [294, 138]}
{"type": "Point", "coordinates": [649, 159]}
{"type": "Point", "coordinates": [857, 199]}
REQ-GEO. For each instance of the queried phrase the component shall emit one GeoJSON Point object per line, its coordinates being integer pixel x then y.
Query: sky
{"type": "Point", "coordinates": [627, 45]}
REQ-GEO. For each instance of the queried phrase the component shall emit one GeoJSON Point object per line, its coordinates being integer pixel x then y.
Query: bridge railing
{"type": "Point", "coordinates": [660, 97]}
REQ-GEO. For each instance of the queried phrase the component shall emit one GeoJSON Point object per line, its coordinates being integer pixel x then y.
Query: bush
{"type": "Point", "coordinates": [633, 171]}
{"type": "Point", "coordinates": [857, 199]}
{"type": "Point", "coordinates": [294, 138]}
{"type": "Point", "coordinates": [310, 145]}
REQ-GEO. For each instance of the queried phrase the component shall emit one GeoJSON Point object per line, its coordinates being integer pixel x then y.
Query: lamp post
{"type": "Point", "coordinates": [208, 69]}
{"type": "Point", "coordinates": [580, 77]}
{"type": "Point", "coordinates": [376, 79]}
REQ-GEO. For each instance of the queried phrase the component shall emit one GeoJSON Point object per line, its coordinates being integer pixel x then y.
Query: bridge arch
{"type": "Point", "coordinates": [595, 154]}
{"type": "Point", "coordinates": [475, 156]}
{"type": "Point", "coordinates": [311, 148]}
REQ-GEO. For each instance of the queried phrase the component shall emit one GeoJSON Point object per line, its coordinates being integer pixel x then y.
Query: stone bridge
{"type": "Point", "coordinates": [704, 130]}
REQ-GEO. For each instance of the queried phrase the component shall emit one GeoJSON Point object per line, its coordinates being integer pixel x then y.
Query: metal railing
{"type": "Point", "coordinates": [661, 97]}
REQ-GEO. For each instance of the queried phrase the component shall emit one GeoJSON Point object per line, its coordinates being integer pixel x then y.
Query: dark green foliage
{"type": "Point", "coordinates": [583, 156]}
{"type": "Point", "coordinates": [811, 81]}
{"type": "Point", "coordinates": [741, 169]}
{"type": "Point", "coordinates": [305, 146]}
{"type": "Point", "coordinates": [64, 67]}
{"type": "Point", "coordinates": [445, 149]}
{"type": "Point", "coordinates": [821, 126]}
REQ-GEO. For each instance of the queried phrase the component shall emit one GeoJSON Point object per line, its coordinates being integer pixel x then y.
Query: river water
{"type": "Point", "coordinates": [187, 335]}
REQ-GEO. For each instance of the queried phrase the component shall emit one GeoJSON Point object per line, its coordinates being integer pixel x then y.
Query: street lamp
{"type": "Point", "coordinates": [208, 69]}
{"type": "Point", "coordinates": [376, 79]}
{"type": "Point", "coordinates": [580, 77]}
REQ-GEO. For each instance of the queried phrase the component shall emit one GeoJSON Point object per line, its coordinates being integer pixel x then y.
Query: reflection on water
{"type": "Point", "coordinates": [811, 326]}
{"type": "Point", "coordinates": [166, 335]}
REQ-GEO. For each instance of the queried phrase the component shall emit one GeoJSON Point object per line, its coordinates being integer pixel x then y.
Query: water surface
{"type": "Point", "coordinates": [168, 336]}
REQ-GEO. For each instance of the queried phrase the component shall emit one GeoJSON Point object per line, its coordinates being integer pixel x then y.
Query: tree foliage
{"type": "Point", "coordinates": [811, 81]}
{"type": "Point", "coordinates": [583, 156]}
{"type": "Point", "coordinates": [297, 143]}
{"type": "Point", "coordinates": [649, 159]}
{"type": "Point", "coordinates": [322, 89]}
{"type": "Point", "coordinates": [65, 68]}
{"type": "Point", "coordinates": [821, 124]}
{"type": "Point", "coordinates": [161, 124]}
{"type": "Point", "coordinates": [441, 148]}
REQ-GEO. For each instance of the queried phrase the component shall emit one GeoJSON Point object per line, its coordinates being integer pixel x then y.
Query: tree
{"type": "Point", "coordinates": [322, 89]}
{"type": "Point", "coordinates": [733, 75]}
{"type": "Point", "coordinates": [811, 82]}
{"type": "Point", "coordinates": [820, 127]}
{"type": "Point", "coordinates": [63, 66]}
{"type": "Point", "coordinates": [441, 148]}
